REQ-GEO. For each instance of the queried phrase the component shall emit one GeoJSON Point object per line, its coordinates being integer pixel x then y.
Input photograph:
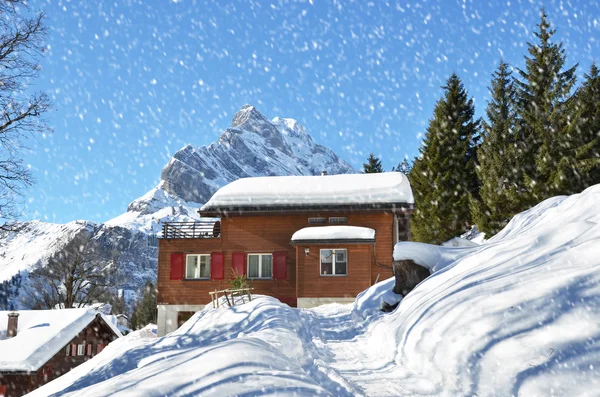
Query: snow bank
{"type": "Point", "coordinates": [518, 315]}
{"type": "Point", "coordinates": [259, 348]}
{"type": "Point", "coordinates": [432, 257]}
{"type": "Point", "coordinates": [334, 233]}
{"type": "Point", "coordinates": [383, 188]}
{"type": "Point", "coordinates": [370, 300]}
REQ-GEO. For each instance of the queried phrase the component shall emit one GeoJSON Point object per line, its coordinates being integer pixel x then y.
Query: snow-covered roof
{"type": "Point", "coordinates": [334, 233]}
{"type": "Point", "coordinates": [378, 190]}
{"type": "Point", "coordinates": [41, 334]}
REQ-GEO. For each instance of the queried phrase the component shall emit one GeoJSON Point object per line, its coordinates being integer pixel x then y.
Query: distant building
{"type": "Point", "coordinates": [306, 240]}
{"type": "Point", "coordinates": [37, 346]}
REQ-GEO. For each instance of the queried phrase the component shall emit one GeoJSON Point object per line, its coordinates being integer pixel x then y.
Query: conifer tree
{"type": "Point", "coordinates": [497, 157]}
{"type": "Point", "coordinates": [373, 165]}
{"type": "Point", "coordinates": [581, 167]}
{"type": "Point", "coordinates": [543, 91]}
{"type": "Point", "coordinates": [403, 167]}
{"type": "Point", "coordinates": [443, 176]}
{"type": "Point", "coordinates": [145, 311]}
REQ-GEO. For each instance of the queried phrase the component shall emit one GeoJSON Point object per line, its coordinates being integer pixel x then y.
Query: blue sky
{"type": "Point", "coordinates": [132, 82]}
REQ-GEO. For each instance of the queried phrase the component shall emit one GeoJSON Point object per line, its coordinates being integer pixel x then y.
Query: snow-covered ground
{"type": "Point", "coordinates": [518, 315]}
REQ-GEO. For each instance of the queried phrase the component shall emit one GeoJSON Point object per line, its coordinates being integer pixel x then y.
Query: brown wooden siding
{"type": "Point", "coordinates": [265, 234]}
{"type": "Point", "coordinates": [97, 332]}
{"type": "Point", "coordinates": [311, 284]}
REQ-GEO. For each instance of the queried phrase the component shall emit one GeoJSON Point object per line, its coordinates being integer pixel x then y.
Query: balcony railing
{"type": "Point", "coordinates": [197, 229]}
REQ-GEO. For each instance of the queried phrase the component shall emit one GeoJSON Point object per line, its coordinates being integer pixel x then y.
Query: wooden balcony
{"type": "Point", "coordinates": [198, 229]}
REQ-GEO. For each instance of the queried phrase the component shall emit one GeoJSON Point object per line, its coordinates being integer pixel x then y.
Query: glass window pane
{"type": "Point", "coordinates": [267, 266]}
{"type": "Point", "coordinates": [340, 261]}
{"type": "Point", "coordinates": [191, 267]}
{"type": "Point", "coordinates": [340, 267]}
{"type": "Point", "coordinates": [252, 266]}
{"type": "Point", "coordinates": [205, 266]}
{"type": "Point", "coordinates": [326, 262]}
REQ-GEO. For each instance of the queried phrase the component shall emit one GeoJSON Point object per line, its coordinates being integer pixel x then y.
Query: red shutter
{"type": "Point", "coordinates": [238, 263]}
{"type": "Point", "coordinates": [3, 391]}
{"type": "Point", "coordinates": [217, 266]}
{"type": "Point", "coordinates": [73, 349]}
{"type": "Point", "coordinates": [99, 348]}
{"type": "Point", "coordinates": [176, 266]}
{"type": "Point", "coordinates": [280, 265]}
{"type": "Point", "coordinates": [89, 350]}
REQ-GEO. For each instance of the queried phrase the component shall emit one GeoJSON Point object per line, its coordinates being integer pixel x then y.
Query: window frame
{"type": "Point", "coordinates": [81, 349]}
{"type": "Point", "coordinates": [338, 220]}
{"type": "Point", "coordinates": [333, 274]}
{"type": "Point", "coordinates": [260, 255]}
{"type": "Point", "coordinates": [404, 221]}
{"type": "Point", "coordinates": [317, 220]}
{"type": "Point", "coordinates": [185, 274]}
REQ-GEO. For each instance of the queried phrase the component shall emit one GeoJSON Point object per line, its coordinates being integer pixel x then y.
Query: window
{"type": "Point", "coordinates": [334, 262]}
{"type": "Point", "coordinates": [197, 267]}
{"type": "Point", "coordinates": [402, 228]}
{"type": "Point", "coordinates": [68, 351]}
{"type": "Point", "coordinates": [338, 220]}
{"type": "Point", "coordinates": [260, 266]}
{"type": "Point", "coordinates": [314, 221]}
{"type": "Point", "coordinates": [81, 349]}
{"type": "Point", "coordinates": [182, 317]}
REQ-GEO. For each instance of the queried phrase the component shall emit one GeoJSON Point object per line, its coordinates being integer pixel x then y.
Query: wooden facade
{"type": "Point", "coordinates": [95, 337]}
{"type": "Point", "coordinates": [271, 233]}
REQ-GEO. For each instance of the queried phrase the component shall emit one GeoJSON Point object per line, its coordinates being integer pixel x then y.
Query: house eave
{"type": "Point", "coordinates": [333, 241]}
{"type": "Point", "coordinates": [219, 211]}
{"type": "Point", "coordinates": [18, 372]}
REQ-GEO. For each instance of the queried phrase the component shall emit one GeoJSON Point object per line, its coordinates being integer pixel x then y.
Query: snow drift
{"type": "Point", "coordinates": [518, 315]}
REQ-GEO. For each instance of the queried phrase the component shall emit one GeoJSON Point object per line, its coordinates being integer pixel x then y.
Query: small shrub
{"type": "Point", "coordinates": [241, 282]}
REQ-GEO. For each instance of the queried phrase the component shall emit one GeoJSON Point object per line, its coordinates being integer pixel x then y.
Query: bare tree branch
{"type": "Point", "coordinates": [76, 276]}
{"type": "Point", "coordinates": [22, 36]}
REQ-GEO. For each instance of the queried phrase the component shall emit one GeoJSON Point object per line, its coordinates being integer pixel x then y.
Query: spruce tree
{"type": "Point", "coordinates": [581, 167]}
{"type": "Point", "coordinates": [497, 157]}
{"type": "Point", "coordinates": [443, 176]}
{"type": "Point", "coordinates": [145, 311]}
{"type": "Point", "coordinates": [373, 165]}
{"type": "Point", "coordinates": [403, 167]}
{"type": "Point", "coordinates": [543, 91]}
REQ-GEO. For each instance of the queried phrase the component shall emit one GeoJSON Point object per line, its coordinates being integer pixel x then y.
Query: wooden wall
{"type": "Point", "coordinates": [266, 234]}
{"type": "Point", "coordinates": [312, 285]}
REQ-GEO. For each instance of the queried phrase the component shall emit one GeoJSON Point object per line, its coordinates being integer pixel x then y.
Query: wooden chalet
{"type": "Point", "coordinates": [306, 240]}
{"type": "Point", "coordinates": [37, 346]}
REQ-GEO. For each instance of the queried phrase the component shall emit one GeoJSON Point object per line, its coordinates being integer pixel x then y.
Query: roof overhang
{"type": "Point", "coordinates": [403, 208]}
{"type": "Point", "coordinates": [332, 241]}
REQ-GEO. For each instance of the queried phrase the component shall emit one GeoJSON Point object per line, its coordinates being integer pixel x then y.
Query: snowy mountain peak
{"type": "Point", "coordinates": [291, 127]}
{"type": "Point", "coordinates": [247, 114]}
{"type": "Point", "coordinates": [252, 146]}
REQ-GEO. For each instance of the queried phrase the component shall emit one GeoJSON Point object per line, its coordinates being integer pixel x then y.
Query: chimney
{"type": "Point", "coordinates": [13, 324]}
{"type": "Point", "coordinates": [323, 173]}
